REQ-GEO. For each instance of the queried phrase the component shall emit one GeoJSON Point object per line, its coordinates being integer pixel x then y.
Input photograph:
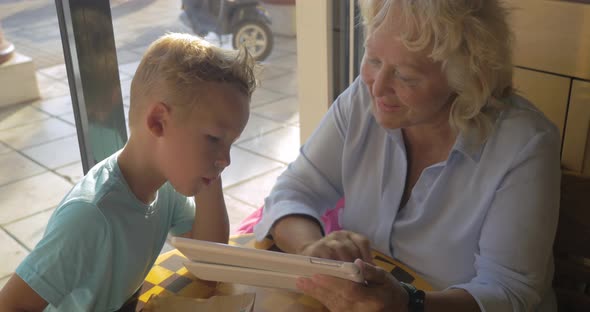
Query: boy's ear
{"type": "Point", "coordinates": [157, 118]}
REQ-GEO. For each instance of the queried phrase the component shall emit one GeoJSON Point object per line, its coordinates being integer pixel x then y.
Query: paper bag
{"type": "Point", "coordinates": [231, 303]}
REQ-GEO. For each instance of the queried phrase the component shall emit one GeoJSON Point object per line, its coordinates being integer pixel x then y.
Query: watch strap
{"type": "Point", "coordinates": [415, 297]}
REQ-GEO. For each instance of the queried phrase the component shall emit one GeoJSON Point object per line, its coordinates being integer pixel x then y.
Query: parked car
{"type": "Point", "coordinates": [247, 21]}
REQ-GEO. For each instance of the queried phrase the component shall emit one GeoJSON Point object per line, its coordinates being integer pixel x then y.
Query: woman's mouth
{"type": "Point", "coordinates": [387, 107]}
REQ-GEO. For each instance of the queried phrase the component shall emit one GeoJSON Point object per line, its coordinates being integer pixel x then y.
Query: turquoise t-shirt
{"type": "Point", "coordinates": [101, 241]}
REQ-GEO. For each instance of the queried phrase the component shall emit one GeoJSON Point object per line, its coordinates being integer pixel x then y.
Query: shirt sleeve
{"type": "Point", "coordinates": [313, 182]}
{"type": "Point", "coordinates": [183, 214]}
{"type": "Point", "coordinates": [75, 246]}
{"type": "Point", "coordinates": [514, 266]}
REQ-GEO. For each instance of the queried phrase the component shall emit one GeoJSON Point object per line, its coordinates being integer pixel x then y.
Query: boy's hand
{"type": "Point", "coordinates": [382, 292]}
{"type": "Point", "coordinates": [340, 245]}
{"type": "Point", "coordinates": [211, 220]}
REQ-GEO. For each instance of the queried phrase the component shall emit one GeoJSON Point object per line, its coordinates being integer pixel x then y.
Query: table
{"type": "Point", "coordinates": [168, 276]}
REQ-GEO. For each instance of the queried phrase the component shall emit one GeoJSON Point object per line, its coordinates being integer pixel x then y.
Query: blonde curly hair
{"type": "Point", "coordinates": [473, 42]}
{"type": "Point", "coordinates": [175, 64]}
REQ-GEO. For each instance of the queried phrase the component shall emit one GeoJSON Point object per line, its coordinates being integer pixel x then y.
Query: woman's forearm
{"type": "Point", "coordinates": [292, 233]}
{"type": "Point", "coordinates": [455, 300]}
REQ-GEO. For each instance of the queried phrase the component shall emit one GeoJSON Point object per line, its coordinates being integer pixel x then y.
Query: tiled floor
{"type": "Point", "coordinates": [39, 156]}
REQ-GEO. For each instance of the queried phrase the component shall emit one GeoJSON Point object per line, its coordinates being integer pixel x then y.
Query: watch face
{"type": "Point", "coordinates": [417, 301]}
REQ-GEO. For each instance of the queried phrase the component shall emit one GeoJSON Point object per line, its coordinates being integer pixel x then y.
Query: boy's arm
{"type": "Point", "coordinates": [211, 221]}
{"type": "Point", "coordinates": [17, 295]}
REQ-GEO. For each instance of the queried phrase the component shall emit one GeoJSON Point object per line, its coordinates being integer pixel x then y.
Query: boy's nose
{"type": "Point", "coordinates": [223, 162]}
{"type": "Point", "coordinates": [223, 159]}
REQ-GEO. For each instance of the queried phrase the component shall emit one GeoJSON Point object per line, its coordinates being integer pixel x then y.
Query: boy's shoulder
{"type": "Point", "coordinates": [84, 202]}
{"type": "Point", "coordinates": [103, 179]}
{"type": "Point", "coordinates": [73, 215]}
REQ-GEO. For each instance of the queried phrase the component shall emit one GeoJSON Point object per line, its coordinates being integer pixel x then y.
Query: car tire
{"type": "Point", "coordinates": [256, 35]}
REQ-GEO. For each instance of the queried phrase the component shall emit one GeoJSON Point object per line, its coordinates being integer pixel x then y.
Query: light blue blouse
{"type": "Point", "coordinates": [482, 220]}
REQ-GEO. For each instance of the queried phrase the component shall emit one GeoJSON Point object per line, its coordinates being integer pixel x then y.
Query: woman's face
{"type": "Point", "coordinates": [407, 88]}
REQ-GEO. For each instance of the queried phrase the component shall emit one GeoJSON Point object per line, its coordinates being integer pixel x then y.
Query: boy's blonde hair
{"type": "Point", "coordinates": [472, 40]}
{"type": "Point", "coordinates": [175, 64]}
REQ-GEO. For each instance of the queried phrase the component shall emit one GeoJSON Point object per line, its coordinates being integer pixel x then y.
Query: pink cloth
{"type": "Point", "coordinates": [330, 219]}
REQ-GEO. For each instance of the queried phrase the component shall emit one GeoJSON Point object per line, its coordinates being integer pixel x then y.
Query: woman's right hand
{"type": "Point", "coordinates": [303, 235]}
{"type": "Point", "coordinates": [339, 245]}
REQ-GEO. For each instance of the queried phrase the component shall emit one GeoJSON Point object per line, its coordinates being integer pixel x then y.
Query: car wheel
{"type": "Point", "coordinates": [256, 37]}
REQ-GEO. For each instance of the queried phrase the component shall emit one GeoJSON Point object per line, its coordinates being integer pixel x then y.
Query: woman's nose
{"type": "Point", "coordinates": [381, 84]}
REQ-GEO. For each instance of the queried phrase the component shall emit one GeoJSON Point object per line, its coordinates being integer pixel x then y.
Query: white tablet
{"type": "Point", "coordinates": [233, 264]}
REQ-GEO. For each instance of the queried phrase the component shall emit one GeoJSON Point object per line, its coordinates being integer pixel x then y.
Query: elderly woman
{"type": "Point", "coordinates": [442, 167]}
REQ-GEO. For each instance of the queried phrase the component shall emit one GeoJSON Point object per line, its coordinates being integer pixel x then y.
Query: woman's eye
{"type": "Point", "coordinates": [374, 62]}
{"type": "Point", "coordinates": [405, 79]}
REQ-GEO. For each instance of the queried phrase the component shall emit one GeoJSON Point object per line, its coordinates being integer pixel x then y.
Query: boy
{"type": "Point", "coordinates": [189, 103]}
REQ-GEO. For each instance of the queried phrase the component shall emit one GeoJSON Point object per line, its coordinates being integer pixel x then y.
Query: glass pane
{"type": "Point", "coordinates": [343, 56]}
{"type": "Point", "coordinates": [39, 153]}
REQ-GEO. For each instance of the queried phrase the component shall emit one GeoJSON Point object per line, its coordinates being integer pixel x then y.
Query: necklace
{"type": "Point", "coordinates": [151, 208]}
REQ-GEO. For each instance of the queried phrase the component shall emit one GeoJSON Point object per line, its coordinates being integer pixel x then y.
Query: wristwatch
{"type": "Point", "coordinates": [416, 297]}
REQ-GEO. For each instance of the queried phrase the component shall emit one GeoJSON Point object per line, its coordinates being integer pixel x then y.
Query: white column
{"type": "Point", "coordinates": [314, 68]}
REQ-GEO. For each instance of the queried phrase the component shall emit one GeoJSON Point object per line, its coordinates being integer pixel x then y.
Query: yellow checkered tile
{"type": "Point", "coordinates": [158, 274]}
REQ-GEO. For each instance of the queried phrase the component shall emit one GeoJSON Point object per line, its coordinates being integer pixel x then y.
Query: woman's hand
{"type": "Point", "coordinates": [339, 245]}
{"type": "Point", "coordinates": [382, 292]}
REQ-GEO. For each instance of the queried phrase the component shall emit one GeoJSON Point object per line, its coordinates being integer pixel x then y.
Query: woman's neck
{"type": "Point", "coordinates": [432, 141]}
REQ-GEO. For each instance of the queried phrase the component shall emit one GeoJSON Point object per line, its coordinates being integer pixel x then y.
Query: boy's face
{"type": "Point", "coordinates": [193, 150]}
